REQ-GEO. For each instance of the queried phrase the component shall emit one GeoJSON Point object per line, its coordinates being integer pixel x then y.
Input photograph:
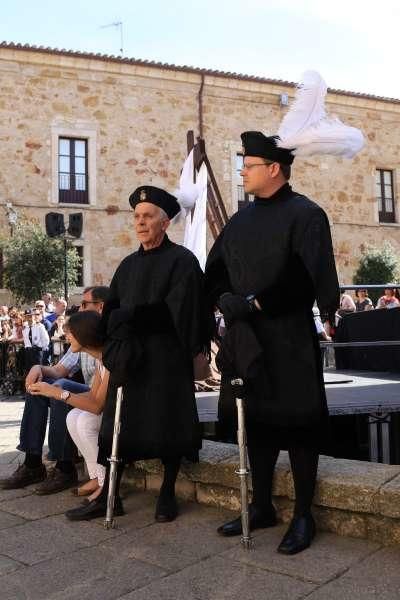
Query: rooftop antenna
{"type": "Point", "coordinates": [118, 24]}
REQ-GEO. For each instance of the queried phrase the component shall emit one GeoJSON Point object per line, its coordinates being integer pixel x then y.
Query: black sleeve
{"type": "Point", "coordinates": [217, 280]}
{"type": "Point", "coordinates": [314, 248]}
{"type": "Point", "coordinates": [192, 318]}
{"type": "Point", "coordinates": [112, 303]}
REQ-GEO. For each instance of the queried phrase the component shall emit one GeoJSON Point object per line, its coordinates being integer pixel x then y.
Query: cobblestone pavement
{"type": "Point", "coordinates": [43, 556]}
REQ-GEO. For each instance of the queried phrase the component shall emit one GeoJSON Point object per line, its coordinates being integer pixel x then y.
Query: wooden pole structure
{"type": "Point", "coordinates": [217, 216]}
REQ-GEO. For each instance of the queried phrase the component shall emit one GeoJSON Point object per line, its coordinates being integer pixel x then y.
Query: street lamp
{"type": "Point", "coordinates": [55, 227]}
{"type": "Point", "coordinates": [12, 216]}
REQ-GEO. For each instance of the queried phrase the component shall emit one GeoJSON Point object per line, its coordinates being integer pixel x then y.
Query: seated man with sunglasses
{"type": "Point", "coordinates": [34, 419]}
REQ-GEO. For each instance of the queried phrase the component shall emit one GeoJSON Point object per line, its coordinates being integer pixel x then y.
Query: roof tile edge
{"type": "Point", "coordinates": [185, 68]}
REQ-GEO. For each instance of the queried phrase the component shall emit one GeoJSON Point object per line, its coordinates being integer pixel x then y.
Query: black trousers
{"type": "Point", "coordinates": [304, 465]}
{"type": "Point", "coordinates": [171, 470]}
{"type": "Point", "coordinates": [33, 356]}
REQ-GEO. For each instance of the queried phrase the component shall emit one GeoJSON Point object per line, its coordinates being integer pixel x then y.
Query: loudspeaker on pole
{"type": "Point", "coordinates": [75, 225]}
{"type": "Point", "coordinates": [54, 224]}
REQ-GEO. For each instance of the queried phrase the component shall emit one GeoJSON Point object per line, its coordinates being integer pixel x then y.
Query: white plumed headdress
{"type": "Point", "coordinates": [307, 130]}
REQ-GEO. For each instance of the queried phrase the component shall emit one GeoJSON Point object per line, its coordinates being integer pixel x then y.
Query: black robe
{"type": "Point", "coordinates": [162, 291]}
{"type": "Point", "coordinates": [280, 250]}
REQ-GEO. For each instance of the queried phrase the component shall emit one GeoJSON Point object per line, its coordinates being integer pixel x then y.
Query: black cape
{"type": "Point", "coordinates": [160, 293]}
{"type": "Point", "coordinates": [280, 250]}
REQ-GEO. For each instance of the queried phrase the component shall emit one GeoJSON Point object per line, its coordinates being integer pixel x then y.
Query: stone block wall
{"type": "Point", "coordinates": [136, 117]}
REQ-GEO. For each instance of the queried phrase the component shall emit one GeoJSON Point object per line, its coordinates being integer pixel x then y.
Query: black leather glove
{"type": "Point", "coordinates": [234, 307]}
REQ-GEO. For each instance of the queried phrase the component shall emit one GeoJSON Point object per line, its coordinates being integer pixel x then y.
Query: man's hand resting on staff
{"type": "Point", "coordinates": [235, 307]}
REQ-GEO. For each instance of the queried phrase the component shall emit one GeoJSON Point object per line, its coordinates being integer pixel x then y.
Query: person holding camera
{"type": "Point", "coordinates": [58, 339]}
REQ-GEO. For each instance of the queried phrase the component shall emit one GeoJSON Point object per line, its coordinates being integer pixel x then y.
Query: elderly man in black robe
{"type": "Point", "coordinates": [279, 242]}
{"type": "Point", "coordinates": [156, 324]}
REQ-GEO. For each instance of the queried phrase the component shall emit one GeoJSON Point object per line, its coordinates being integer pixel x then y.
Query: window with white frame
{"type": "Point", "coordinates": [73, 170]}
{"type": "Point", "coordinates": [81, 181]}
{"type": "Point", "coordinates": [385, 195]}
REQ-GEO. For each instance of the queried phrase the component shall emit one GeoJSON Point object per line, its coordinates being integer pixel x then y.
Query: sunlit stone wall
{"type": "Point", "coordinates": [135, 118]}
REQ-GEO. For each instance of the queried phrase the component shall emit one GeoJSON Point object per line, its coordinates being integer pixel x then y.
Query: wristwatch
{"type": "Point", "coordinates": [65, 395]}
{"type": "Point", "coordinates": [251, 301]}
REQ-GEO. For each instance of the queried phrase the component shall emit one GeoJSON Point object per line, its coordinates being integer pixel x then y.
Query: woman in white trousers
{"type": "Point", "coordinates": [83, 422]}
{"type": "Point", "coordinates": [84, 427]}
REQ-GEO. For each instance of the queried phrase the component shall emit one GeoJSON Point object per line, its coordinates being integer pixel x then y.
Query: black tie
{"type": "Point", "coordinates": [30, 335]}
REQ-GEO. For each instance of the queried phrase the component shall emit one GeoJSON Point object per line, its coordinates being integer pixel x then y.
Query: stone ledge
{"type": "Point", "coordinates": [352, 498]}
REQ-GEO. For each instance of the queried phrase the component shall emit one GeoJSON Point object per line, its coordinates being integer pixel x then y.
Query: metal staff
{"type": "Point", "coordinates": [114, 460]}
{"type": "Point", "coordinates": [243, 471]}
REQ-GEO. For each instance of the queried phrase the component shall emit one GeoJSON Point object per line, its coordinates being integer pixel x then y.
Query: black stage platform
{"type": "Point", "coordinates": [374, 394]}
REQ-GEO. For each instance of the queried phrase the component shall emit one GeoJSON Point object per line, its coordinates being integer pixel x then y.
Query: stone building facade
{"type": "Point", "coordinates": [133, 117]}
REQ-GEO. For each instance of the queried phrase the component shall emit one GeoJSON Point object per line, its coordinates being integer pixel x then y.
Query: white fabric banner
{"type": "Point", "coordinates": [195, 238]}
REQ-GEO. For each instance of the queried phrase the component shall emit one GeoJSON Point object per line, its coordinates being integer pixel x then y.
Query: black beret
{"type": "Point", "coordinates": [157, 196]}
{"type": "Point", "coordinates": [256, 143]}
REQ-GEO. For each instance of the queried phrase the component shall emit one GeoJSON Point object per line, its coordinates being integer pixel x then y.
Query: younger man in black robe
{"type": "Point", "coordinates": [156, 325]}
{"type": "Point", "coordinates": [280, 241]}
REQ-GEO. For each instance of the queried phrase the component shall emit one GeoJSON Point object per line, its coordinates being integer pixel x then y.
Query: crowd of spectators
{"type": "Point", "coordinates": [362, 302]}
{"type": "Point", "coordinates": [81, 376]}
{"type": "Point", "coordinates": [14, 320]}
{"type": "Point", "coordinates": [38, 336]}
{"type": "Point", "coordinates": [31, 335]}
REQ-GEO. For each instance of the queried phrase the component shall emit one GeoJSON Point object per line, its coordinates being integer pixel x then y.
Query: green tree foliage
{"type": "Point", "coordinates": [34, 263]}
{"type": "Point", "coordinates": [377, 265]}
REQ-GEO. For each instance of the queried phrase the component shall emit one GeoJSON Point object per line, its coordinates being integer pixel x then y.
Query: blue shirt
{"type": "Point", "coordinates": [51, 318]}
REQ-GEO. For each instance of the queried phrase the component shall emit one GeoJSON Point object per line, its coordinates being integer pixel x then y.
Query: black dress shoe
{"type": "Point", "coordinates": [57, 481]}
{"type": "Point", "coordinates": [166, 509]}
{"type": "Point", "coordinates": [93, 510]}
{"type": "Point", "coordinates": [23, 476]}
{"type": "Point", "coordinates": [299, 536]}
{"type": "Point", "coordinates": [257, 520]}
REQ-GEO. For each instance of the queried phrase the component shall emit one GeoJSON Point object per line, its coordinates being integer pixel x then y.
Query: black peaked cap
{"type": "Point", "coordinates": [256, 143]}
{"type": "Point", "coordinates": [157, 196]}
